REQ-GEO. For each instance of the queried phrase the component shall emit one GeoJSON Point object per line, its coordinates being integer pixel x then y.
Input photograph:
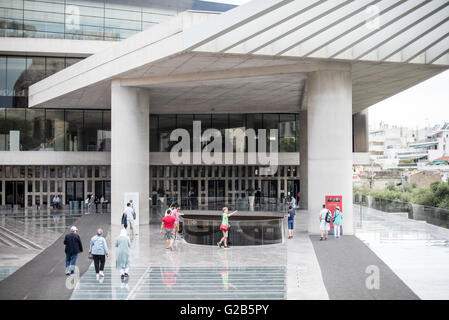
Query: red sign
{"type": "Point", "coordinates": [331, 203]}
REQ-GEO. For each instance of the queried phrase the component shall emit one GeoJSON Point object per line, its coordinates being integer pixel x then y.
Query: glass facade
{"type": "Point", "coordinates": [55, 130]}
{"type": "Point", "coordinates": [41, 184]}
{"type": "Point", "coordinates": [90, 19]}
{"type": "Point", "coordinates": [17, 73]}
{"type": "Point", "coordinates": [287, 125]}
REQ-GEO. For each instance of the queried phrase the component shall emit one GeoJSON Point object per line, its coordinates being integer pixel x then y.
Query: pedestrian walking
{"type": "Point", "coordinates": [99, 251]}
{"type": "Point", "coordinates": [177, 213]}
{"type": "Point", "coordinates": [224, 227]}
{"type": "Point", "coordinates": [293, 202]}
{"type": "Point", "coordinates": [123, 245]}
{"type": "Point", "coordinates": [291, 221]}
{"type": "Point", "coordinates": [130, 218]}
{"type": "Point", "coordinates": [325, 219]}
{"type": "Point", "coordinates": [73, 247]}
{"type": "Point", "coordinates": [168, 225]}
{"type": "Point", "coordinates": [338, 221]}
{"type": "Point", "coordinates": [124, 220]}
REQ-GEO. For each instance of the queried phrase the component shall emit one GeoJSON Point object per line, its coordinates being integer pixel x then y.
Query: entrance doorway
{"type": "Point", "coordinates": [74, 191]}
{"type": "Point", "coordinates": [189, 194]}
{"type": "Point", "coordinates": [269, 191]}
{"type": "Point", "coordinates": [15, 193]}
{"type": "Point", "coordinates": [103, 188]}
{"type": "Point", "coordinates": [215, 194]}
{"type": "Point", "coordinates": [293, 189]}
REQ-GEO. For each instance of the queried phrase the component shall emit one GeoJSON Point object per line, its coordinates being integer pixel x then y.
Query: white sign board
{"type": "Point", "coordinates": [14, 140]}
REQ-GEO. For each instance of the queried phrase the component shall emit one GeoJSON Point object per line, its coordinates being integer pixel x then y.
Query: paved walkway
{"type": "Point", "coordinates": [411, 258]}
{"type": "Point", "coordinates": [199, 272]}
{"type": "Point", "coordinates": [416, 251]}
{"type": "Point", "coordinates": [44, 276]}
{"type": "Point", "coordinates": [351, 271]}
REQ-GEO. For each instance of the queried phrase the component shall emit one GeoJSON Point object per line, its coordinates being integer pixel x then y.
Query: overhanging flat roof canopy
{"type": "Point", "coordinates": [259, 54]}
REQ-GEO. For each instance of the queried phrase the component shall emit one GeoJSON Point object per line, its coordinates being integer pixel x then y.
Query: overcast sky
{"type": "Point", "coordinates": [427, 103]}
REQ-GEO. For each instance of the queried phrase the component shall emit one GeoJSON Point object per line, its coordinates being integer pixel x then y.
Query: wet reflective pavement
{"type": "Point", "coordinates": [416, 251]}
{"type": "Point", "coordinates": [191, 283]}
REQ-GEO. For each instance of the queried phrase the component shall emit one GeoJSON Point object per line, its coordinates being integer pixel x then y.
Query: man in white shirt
{"type": "Point", "coordinates": [130, 217]}
{"type": "Point", "coordinates": [293, 202]}
{"type": "Point", "coordinates": [324, 225]}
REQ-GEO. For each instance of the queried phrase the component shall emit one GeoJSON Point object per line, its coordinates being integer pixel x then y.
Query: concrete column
{"type": "Point", "coordinates": [130, 149]}
{"type": "Point", "coordinates": [329, 129]}
{"type": "Point", "coordinates": [360, 131]}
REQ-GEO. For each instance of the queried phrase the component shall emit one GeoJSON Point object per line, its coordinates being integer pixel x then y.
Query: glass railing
{"type": "Point", "coordinates": [432, 215]}
{"type": "Point", "coordinates": [242, 231]}
{"type": "Point", "coordinates": [264, 204]}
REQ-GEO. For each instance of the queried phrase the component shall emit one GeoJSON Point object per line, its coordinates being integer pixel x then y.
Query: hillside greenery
{"type": "Point", "coordinates": [436, 195]}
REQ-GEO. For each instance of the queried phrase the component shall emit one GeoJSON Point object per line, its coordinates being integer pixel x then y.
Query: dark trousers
{"type": "Point", "coordinates": [99, 262]}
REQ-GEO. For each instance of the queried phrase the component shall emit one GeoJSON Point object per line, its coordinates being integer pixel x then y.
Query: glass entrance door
{"type": "Point", "coordinates": [74, 191]}
{"type": "Point", "coordinates": [293, 189]}
{"type": "Point", "coordinates": [15, 193]}
{"type": "Point", "coordinates": [189, 194]}
{"type": "Point", "coordinates": [269, 191]}
{"type": "Point", "coordinates": [215, 194]}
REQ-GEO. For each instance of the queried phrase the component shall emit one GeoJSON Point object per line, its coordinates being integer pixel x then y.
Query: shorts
{"type": "Point", "coordinates": [176, 226]}
{"type": "Point", "coordinates": [169, 234]}
{"type": "Point", "coordinates": [291, 224]}
{"type": "Point", "coordinates": [225, 233]}
{"type": "Point", "coordinates": [325, 226]}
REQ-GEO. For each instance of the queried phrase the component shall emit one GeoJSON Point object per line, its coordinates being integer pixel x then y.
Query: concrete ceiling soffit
{"type": "Point", "coordinates": [363, 30]}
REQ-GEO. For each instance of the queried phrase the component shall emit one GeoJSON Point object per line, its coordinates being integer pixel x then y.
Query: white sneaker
{"type": "Point", "coordinates": [101, 273]}
{"type": "Point", "coordinates": [98, 276]}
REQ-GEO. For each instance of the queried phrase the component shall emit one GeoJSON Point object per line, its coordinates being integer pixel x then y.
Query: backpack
{"type": "Point", "coordinates": [328, 216]}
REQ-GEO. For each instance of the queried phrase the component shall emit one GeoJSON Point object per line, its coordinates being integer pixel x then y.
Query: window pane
{"type": "Point", "coordinates": [15, 77]}
{"type": "Point", "coordinates": [270, 121]}
{"type": "Point", "coordinates": [35, 70]}
{"type": "Point", "coordinates": [167, 123]}
{"type": "Point", "coordinates": [73, 130]}
{"type": "Point", "coordinates": [92, 137]}
{"type": "Point", "coordinates": [34, 133]}
{"type": "Point", "coordinates": [287, 133]}
{"type": "Point", "coordinates": [54, 130]}
{"type": "Point", "coordinates": [3, 130]}
{"type": "Point", "coordinates": [15, 121]}
{"type": "Point", "coordinates": [54, 65]}
{"type": "Point", "coordinates": [3, 98]}
{"type": "Point", "coordinates": [105, 144]}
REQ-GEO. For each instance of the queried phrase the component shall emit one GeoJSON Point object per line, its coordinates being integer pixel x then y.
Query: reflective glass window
{"type": "Point", "coordinates": [54, 130]}
{"type": "Point", "coordinates": [15, 125]}
{"type": "Point", "coordinates": [54, 65]}
{"type": "Point", "coordinates": [3, 94]}
{"type": "Point", "coordinates": [34, 130]}
{"type": "Point", "coordinates": [167, 123]}
{"type": "Point", "coordinates": [3, 130]}
{"type": "Point", "coordinates": [92, 131]}
{"type": "Point", "coordinates": [105, 144]}
{"type": "Point", "coordinates": [16, 76]}
{"type": "Point", "coordinates": [270, 121]}
{"type": "Point", "coordinates": [35, 70]}
{"type": "Point", "coordinates": [287, 133]}
{"type": "Point", "coordinates": [73, 130]}
{"type": "Point", "coordinates": [153, 133]}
